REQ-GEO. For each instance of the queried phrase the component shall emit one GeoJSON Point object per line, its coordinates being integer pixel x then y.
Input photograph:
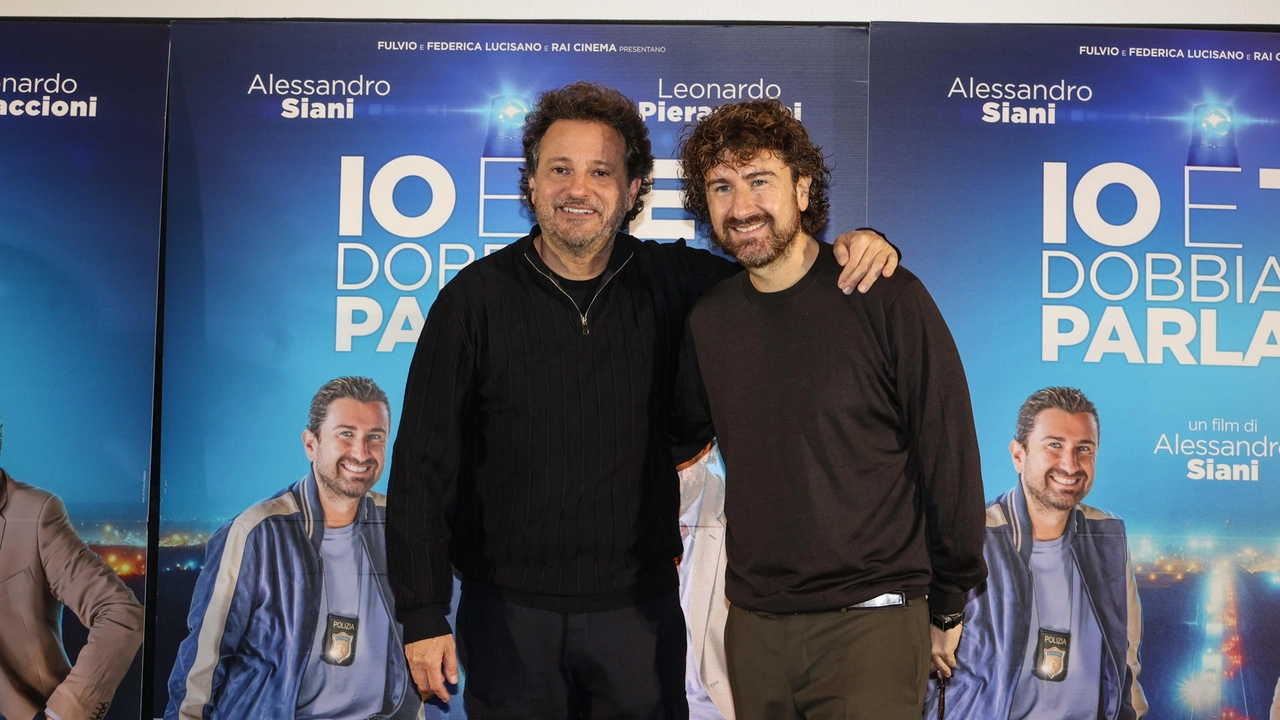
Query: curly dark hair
{"type": "Point", "coordinates": [739, 132]}
{"type": "Point", "coordinates": [591, 102]}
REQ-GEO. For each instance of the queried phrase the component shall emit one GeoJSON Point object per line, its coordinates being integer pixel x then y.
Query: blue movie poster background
{"type": "Point", "coordinates": [966, 198]}
{"type": "Point", "coordinates": [79, 242]}
{"type": "Point", "coordinates": [280, 228]}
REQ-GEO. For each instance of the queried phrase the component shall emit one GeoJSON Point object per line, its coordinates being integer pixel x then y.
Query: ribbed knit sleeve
{"type": "Point", "coordinates": [425, 462]}
{"type": "Point", "coordinates": [690, 427]}
{"type": "Point", "coordinates": [938, 416]}
{"type": "Point", "coordinates": [691, 411]}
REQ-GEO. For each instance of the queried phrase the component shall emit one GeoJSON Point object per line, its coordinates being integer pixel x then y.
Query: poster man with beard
{"type": "Point", "coordinates": [853, 485]}
{"type": "Point", "coordinates": [1055, 629]}
{"type": "Point", "coordinates": [292, 614]}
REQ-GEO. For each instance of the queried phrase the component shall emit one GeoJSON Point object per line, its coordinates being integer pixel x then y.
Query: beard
{"type": "Point", "coordinates": [338, 483]}
{"type": "Point", "coordinates": [1046, 496]}
{"type": "Point", "coordinates": [579, 240]}
{"type": "Point", "coordinates": [758, 252]}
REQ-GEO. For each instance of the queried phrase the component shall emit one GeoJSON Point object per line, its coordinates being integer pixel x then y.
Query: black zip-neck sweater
{"type": "Point", "coordinates": [534, 451]}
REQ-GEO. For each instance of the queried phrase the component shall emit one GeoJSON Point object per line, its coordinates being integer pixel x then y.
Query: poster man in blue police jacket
{"type": "Point", "coordinates": [292, 616]}
{"type": "Point", "coordinates": [1054, 632]}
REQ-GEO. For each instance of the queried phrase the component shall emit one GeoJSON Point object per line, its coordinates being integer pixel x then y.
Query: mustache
{"type": "Point", "coordinates": [751, 220]}
{"type": "Point", "coordinates": [1077, 475]}
{"type": "Point", "coordinates": [577, 202]}
{"type": "Point", "coordinates": [347, 459]}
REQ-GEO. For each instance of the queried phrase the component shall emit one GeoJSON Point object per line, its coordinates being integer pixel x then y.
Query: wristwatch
{"type": "Point", "coordinates": [946, 621]}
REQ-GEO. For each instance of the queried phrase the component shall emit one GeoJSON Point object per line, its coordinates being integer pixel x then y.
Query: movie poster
{"type": "Point", "coordinates": [327, 179]}
{"type": "Point", "coordinates": [1098, 208]}
{"type": "Point", "coordinates": [82, 157]}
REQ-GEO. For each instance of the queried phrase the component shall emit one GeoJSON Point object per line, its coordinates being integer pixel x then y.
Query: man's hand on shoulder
{"type": "Point", "coordinates": [945, 643]}
{"type": "Point", "coordinates": [866, 256]}
{"type": "Point", "coordinates": [432, 662]}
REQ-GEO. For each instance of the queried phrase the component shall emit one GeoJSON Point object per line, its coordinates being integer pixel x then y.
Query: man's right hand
{"type": "Point", "coordinates": [432, 662]}
{"type": "Point", "coordinates": [944, 643]}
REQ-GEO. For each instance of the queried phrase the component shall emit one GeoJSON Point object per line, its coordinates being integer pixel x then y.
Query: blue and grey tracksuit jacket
{"type": "Point", "coordinates": [998, 619]}
{"type": "Point", "coordinates": [255, 608]}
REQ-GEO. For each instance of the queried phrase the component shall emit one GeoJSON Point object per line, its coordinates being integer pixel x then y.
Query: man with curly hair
{"type": "Point", "coordinates": [535, 452]}
{"type": "Point", "coordinates": [853, 487]}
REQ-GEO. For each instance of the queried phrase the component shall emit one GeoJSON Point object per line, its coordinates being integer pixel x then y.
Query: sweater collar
{"type": "Point", "coordinates": [757, 297]}
{"type": "Point", "coordinates": [623, 247]}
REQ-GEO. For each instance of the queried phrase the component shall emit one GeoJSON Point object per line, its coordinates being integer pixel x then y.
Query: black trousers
{"type": "Point", "coordinates": [537, 664]}
{"type": "Point", "coordinates": [856, 664]}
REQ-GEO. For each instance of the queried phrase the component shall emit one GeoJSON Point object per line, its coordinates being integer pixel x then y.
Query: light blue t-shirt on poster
{"type": "Point", "coordinates": [334, 692]}
{"type": "Point", "coordinates": [1060, 604]}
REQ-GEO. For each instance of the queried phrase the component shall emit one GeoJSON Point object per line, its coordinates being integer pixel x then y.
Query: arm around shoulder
{"type": "Point", "coordinates": [866, 255]}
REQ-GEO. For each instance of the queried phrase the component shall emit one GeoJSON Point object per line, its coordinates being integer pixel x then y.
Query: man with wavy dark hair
{"type": "Point", "coordinates": [590, 103]}
{"type": "Point", "coordinates": [737, 134]}
{"type": "Point", "coordinates": [535, 452]}
{"type": "Point", "coordinates": [853, 485]}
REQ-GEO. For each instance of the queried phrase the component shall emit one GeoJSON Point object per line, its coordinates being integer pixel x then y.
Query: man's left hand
{"type": "Point", "coordinates": [945, 643]}
{"type": "Point", "coordinates": [866, 256]}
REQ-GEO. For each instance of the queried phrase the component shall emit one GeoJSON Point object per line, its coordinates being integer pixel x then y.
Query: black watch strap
{"type": "Point", "coordinates": [946, 621]}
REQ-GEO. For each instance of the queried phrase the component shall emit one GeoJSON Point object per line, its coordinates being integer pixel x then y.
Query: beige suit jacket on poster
{"type": "Point", "coordinates": [708, 609]}
{"type": "Point", "coordinates": [43, 565]}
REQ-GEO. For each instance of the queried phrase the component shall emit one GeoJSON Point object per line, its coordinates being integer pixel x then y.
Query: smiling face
{"type": "Point", "coordinates": [1057, 464]}
{"type": "Point", "coordinates": [348, 452]}
{"type": "Point", "coordinates": [579, 191]}
{"type": "Point", "coordinates": [755, 208]}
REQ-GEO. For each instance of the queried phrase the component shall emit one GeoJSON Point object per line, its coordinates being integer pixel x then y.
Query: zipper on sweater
{"type": "Point", "coordinates": [582, 314]}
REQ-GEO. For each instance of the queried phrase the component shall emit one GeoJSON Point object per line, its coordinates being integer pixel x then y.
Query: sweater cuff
{"type": "Point", "coordinates": [425, 622]}
{"type": "Point", "coordinates": [946, 603]}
